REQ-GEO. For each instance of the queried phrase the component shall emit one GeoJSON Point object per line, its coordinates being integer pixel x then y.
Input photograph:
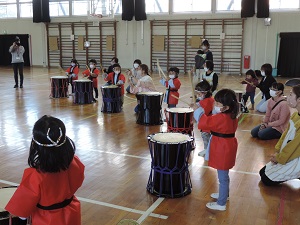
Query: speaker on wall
{"type": "Point", "coordinates": [263, 9]}
{"type": "Point", "coordinates": [248, 8]}
{"type": "Point", "coordinates": [40, 11]}
{"type": "Point", "coordinates": [140, 10]}
{"type": "Point", "coordinates": [127, 9]}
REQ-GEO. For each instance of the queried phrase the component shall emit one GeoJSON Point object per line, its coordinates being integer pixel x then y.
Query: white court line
{"type": "Point", "coordinates": [150, 210]}
{"type": "Point", "coordinates": [104, 204]}
{"type": "Point", "coordinates": [121, 208]}
{"type": "Point", "coordinates": [122, 154]}
{"type": "Point", "coordinates": [235, 171]}
{"type": "Point", "coordinates": [245, 130]}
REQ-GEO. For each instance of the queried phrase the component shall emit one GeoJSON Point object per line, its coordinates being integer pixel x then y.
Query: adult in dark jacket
{"type": "Point", "coordinates": [205, 46]}
{"type": "Point", "coordinates": [264, 85]}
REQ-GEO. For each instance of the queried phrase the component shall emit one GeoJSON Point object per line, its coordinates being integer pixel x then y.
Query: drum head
{"type": "Point", "coordinates": [150, 93]}
{"type": "Point", "coordinates": [110, 86]}
{"type": "Point", "coordinates": [5, 195]}
{"type": "Point", "coordinates": [83, 81]}
{"type": "Point", "coordinates": [170, 137]}
{"type": "Point", "coordinates": [59, 77]}
{"type": "Point", "coordinates": [180, 110]}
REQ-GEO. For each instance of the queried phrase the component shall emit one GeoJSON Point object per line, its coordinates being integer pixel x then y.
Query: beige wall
{"type": "Point", "coordinates": [259, 41]}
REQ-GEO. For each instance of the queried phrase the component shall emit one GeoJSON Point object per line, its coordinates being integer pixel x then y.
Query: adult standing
{"type": "Point", "coordinates": [17, 61]}
{"type": "Point", "coordinates": [264, 85]}
{"type": "Point", "coordinates": [205, 46]}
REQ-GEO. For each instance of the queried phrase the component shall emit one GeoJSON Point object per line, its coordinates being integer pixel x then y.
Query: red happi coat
{"type": "Point", "coordinates": [222, 151]}
{"type": "Point", "coordinates": [207, 104]}
{"type": "Point", "coordinates": [110, 77]}
{"type": "Point", "coordinates": [74, 70]}
{"type": "Point", "coordinates": [94, 79]}
{"type": "Point", "coordinates": [47, 189]}
{"type": "Point", "coordinates": [173, 91]}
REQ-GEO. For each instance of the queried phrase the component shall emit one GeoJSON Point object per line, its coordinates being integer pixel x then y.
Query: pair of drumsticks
{"type": "Point", "coordinates": [163, 75]}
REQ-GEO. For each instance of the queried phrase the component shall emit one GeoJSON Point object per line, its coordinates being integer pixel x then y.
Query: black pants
{"type": "Point", "coordinates": [18, 67]}
{"type": "Point", "coordinates": [266, 181]}
{"type": "Point", "coordinates": [96, 92]}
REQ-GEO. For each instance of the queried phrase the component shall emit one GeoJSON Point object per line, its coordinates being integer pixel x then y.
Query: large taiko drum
{"type": "Point", "coordinates": [112, 100]}
{"type": "Point", "coordinates": [149, 112]}
{"type": "Point", "coordinates": [169, 176]}
{"type": "Point", "coordinates": [83, 92]}
{"type": "Point", "coordinates": [5, 218]}
{"type": "Point", "coordinates": [59, 87]}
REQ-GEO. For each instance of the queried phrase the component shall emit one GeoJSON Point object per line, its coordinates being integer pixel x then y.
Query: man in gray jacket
{"type": "Point", "coordinates": [17, 61]}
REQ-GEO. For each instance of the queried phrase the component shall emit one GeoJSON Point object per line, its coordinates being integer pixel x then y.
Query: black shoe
{"type": "Point", "coordinates": [94, 100]}
{"type": "Point", "coordinates": [246, 110]}
{"type": "Point", "coordinates": [21, 86]}
{"type": "Point", "coordinates": [15, 86]}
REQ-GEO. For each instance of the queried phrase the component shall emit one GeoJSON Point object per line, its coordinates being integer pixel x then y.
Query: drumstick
{"type": "Point", "coordinates": [174, 96]}
{"type": "Point", "coordinates": [192, 86]}
{"type": "Point", "coordinates": [160, 70]}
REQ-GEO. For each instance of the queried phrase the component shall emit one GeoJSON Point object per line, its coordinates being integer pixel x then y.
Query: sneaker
{"type": "Point", "coordinates": [15, 86]}
{"type": "Point", "coordinates": [21, 86]}
{"type": "Point", "coordinates": [216, 196]}
{"type": "Point", "coordinates": [246, 110]}
{"type": "Point", "coordinates": [202, 153]}
{"type": "Point", "coordinates": [215, 206]}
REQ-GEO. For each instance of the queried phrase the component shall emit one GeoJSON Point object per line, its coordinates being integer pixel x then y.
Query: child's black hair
{"type": "Point", "coordinates": [174, 69]}
{"type": "Point", "coordinates": [138, 61]}
{"type": "Point", "coordinates": [227, 97]}
{"type": "Point", "coordinates": [93, 61]}
{"type": "Point", "coordinates": [115, 59]}
{"type": "Point", "coordinates": [76, 62]}
{"type": "Point", "coordinates": [200, 51]}
{"type": "Point", "coordinates": [116, 65]}
{"type": "Point", "coordinates": [278, 86]}
{"type": "Point", "coordinates": [204, 85]}
{"type": "Point", "coordinates": [50, 159]}
{"type": "Point", "coordinates": [251, 73]}
{"type": "Point", "coordinates": [145, 68]}
{"type": "Point", "coordinates": [209, 65]}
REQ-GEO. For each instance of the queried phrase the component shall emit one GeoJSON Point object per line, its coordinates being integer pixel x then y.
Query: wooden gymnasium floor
{"type": "Point", "coordinates": [115, 152]}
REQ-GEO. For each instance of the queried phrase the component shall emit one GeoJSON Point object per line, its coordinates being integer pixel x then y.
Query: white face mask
{"type": "Point", "coordinates": [203, 47]}
{"type": "Point", "coordinates": [273, 93]}
{"type": "Point", "coordinates": [217, 109]}
{"type": "Point", "coordinates": [205, 69]}
{"type": "Point", "coordinates": [135, 65]}
{"type": "Point", "coordinates": [263, 73]}
{"type": "Point", "coordinates": [92, 66]}
{"type": "Point", "coordinates": [117, 72]}
{"type": "Point", "coordinates": [172, 76]}
{"type": "Point", "coordinates": [73, 64]}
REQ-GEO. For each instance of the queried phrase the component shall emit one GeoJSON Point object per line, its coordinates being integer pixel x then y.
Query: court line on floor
{"type": "Point", "coordinates": [107, 204]}
{"type": "Point", "coordinates": [148, 158]}
{"type": "Point", "coordinates": [149, 211]}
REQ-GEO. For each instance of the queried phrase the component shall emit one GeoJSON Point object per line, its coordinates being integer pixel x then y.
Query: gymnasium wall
{"type": "Point", "coordinates": [259, 40]}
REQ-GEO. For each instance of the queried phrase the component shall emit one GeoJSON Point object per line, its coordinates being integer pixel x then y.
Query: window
{"type": "Point", "coordinates": [8, 11]}
{"type": "Point", "coordinates": [59, 8]}
{"type": "Point", "coordinates": [25, 7]}
{"type": "Point", "coordinates": [105, 7]}
{"type": "Point", "coordinates": [156, 6]}
{"type": "Point", "coordinates": [284, 4]}
{"type": "Point", "coordinates": [80, 7]}
{"type": "Point", "coordinates": [229, 5]}
{"type": "Point", "coordinates": [192, 5]}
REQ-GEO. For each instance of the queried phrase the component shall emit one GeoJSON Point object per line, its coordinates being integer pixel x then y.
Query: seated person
{"type": "Point", "coordinates": [285, 163]}
{"type": "Point", "coordinates": [277, 116]}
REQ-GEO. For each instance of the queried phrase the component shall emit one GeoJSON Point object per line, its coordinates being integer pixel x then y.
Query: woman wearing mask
{"type": "Point", "coordinates": [284, 164]}
{"type": "Point", "coordinates": [277, 115]}
{"type": "Point", "coordinates": [264, 85]}
{"type": "Point", "coordinates": [205, 46]}
{"type": "Point", "coordinates": [134, 72]}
